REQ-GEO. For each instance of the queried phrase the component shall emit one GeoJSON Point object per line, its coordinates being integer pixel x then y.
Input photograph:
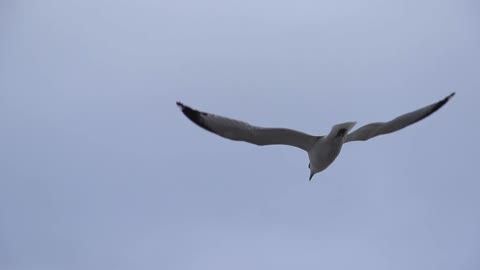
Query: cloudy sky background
{"type": "Point", "coordinates": [99, 169]}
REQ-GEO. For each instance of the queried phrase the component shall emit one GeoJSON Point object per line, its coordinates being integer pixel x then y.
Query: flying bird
{"type": "Point", "coordinates": [322, 150]}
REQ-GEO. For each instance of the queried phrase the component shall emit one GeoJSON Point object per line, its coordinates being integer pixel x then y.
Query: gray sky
{"type": "Point", "coordinates": [100, 170]}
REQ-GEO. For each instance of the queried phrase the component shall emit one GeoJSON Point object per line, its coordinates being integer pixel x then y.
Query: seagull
{"type": "Point", "coordinates": [322, 150]}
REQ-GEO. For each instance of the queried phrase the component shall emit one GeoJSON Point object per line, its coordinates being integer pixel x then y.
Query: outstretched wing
{"type": "Point", "coordinates": [375, 129]}
{"type": "Point", "coordinates": [241, 131]}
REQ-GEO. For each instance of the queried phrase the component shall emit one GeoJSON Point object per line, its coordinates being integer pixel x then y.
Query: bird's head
{"type": "Point", "coordinates": [313, 171]}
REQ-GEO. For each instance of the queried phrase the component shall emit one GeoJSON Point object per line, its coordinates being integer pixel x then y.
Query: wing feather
{"type": "Point", "coordinates": [380, 128]}
{"type": "Point", "coordinates": [241, 131]}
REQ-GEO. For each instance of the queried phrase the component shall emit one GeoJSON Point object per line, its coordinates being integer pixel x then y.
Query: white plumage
{"type": "Point", "coordinates": [322, 150]}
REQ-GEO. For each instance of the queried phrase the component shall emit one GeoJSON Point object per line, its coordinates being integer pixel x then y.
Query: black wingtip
{"type": "Point", "coordinates": [442, 102]}
{"type": "Point", "coordinates": [445, 100]}
{"type": "Point", "coordinates": [436, 106]}
{"type": "Point", "coordinates": [194, 115]}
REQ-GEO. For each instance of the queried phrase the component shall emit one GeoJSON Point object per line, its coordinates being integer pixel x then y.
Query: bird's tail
{"type": "Point", "coordinates": [340, 130]}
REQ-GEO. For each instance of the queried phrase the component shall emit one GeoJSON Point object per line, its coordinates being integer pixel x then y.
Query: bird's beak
{"type": "Point", "coordinates": [311, 175]}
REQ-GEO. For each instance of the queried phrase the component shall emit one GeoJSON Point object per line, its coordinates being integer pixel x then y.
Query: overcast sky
{"type": "Point", "coordinates": [100, 170]}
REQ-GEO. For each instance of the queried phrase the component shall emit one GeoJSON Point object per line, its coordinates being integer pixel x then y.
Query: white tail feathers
{"type": "Point", "coordinates": [341, 129]}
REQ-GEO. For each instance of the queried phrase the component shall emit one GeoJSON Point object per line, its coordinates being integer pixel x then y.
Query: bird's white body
{"type": "Point", "coordinates": [327, 148]}
{"type": "Point", "coordinates": [324, 153]}
{"type": "Point", "coordinates": [322, 150]}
